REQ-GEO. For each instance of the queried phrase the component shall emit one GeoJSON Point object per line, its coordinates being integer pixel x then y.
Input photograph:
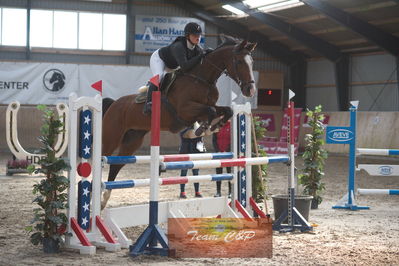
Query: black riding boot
{"type": "Point", "coordinates": [148, 102]}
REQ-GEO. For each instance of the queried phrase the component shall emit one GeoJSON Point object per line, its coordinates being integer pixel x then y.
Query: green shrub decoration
{"type": "Point", "coordinates": [51, 192]}
{"type": "Point", "coordinates": [314, 156]}
{"type": "Point", "coordinates": [259, 174]}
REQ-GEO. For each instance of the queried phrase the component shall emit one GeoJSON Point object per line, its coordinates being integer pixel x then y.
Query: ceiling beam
{"type": "Point", "coordinates": [357, 9]}
{"type": "Point", "coordinates": [384, 40]}
{"type": "Point", "coordinates": [275, 49]}
{"type": "Point", "coordinates": [324, 48]}
{"type": "Point", "coordinates": [337, 29]}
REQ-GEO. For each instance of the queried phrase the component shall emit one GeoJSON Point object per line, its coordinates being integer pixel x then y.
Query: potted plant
{"type": "Point", "coordinates": [314, 157]}
{"type": "Point", "coordinates": [49, 222]}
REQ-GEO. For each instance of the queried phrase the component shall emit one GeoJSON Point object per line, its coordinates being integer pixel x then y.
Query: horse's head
{"type": "Point", "coordinates": [239, 67]}
{"type": "Point", "coordinates": [56, 77]}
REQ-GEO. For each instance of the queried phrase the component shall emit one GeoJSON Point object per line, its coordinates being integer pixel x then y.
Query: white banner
{"type": "Point", "coordinates": [118, 81]}
{"type": "Point", "coordinates": [34, 83]}
{"type": "Point", "coordinates": [47, 83]}
{"type": "Point", "coordinates": [153, 33]}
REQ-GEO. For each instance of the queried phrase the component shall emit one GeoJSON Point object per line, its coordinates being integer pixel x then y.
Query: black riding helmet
{"type": "Point", "coordinates": [192, 28]}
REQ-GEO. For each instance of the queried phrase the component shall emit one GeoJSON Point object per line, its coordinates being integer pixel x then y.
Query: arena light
{"type": "Point", "coordinates": [272, 5]}
{"type": "Point", "coordinates": [233, 10]}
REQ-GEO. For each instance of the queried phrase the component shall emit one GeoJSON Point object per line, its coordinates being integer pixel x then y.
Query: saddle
{"type": "Point", "coordinates": [167, 81]}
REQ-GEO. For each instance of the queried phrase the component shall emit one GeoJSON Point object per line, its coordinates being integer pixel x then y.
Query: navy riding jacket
{"type": "Point", "coordinates": [177, 54]}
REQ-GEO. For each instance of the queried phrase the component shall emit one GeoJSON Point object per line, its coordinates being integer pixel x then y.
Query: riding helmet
{"type": "Point", "coordinates": [192, 28]}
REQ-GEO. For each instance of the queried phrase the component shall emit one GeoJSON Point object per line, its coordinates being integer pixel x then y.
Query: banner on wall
{"type": "Point", "coordinates": [48, 83]}
{"type": "Point", "coordinates": [34, 83]}
{"type": "Point", "coordinates": [153, 33]}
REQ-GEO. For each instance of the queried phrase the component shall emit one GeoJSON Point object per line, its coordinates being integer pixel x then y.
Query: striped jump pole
{"type": "Point", "coordinates": [241, 162]}
{"type": "Point", "coordinates": [295, 221]}
{"type": "Point", "coordinates": [166, 158]}
{"type": "Point", "coordinates": [383, 152]}
{"type": "Point", "coordinates": [364, 191]}
{"type": "Point", "coordinates": [166, 181]}
{"type": "Point", "coordinates": [153, 234]}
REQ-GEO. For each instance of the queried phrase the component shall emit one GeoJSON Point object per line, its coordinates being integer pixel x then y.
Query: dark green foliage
{"type": "Point", "coordinates": [259, 173]}
{"type": "Point", "coordinates": [314, 156]}
{"type": "Point", "coordinates": [51, 191]}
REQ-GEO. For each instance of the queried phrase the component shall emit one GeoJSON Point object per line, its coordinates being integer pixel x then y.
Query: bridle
{"type": "Point", "coordinates": [234, 77]}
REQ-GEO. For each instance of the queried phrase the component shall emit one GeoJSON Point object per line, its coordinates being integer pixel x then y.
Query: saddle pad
{"type": "Point", "coordinates": [142, 95]}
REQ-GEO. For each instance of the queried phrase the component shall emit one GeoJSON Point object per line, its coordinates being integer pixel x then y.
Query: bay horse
{"type": "Point", "coordinates": [191, 97]}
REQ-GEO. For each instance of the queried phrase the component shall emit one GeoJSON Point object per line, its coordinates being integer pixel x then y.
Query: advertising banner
{"type": "Point", "coordinates": [220, 238]}
{"type": "Point", "coordinates": [153, 33]}
{"type": "Point", "coordinates": [49, 83]}
{"type": "Point", "coordinates": [34, 83]}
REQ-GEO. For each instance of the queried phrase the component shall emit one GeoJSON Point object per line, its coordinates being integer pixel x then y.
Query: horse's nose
{"type": "Point", "coordinates": [249, 90]}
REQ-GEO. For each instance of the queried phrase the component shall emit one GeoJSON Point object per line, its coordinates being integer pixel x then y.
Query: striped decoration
{"type": "Point", "coordinates": [85, 136]}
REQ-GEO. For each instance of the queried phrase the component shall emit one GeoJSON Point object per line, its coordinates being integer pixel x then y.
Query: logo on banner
{"type": "Point", "coordinates": [54, 80]}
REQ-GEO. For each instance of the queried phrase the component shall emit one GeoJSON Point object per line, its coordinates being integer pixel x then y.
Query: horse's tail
{"type": "Point", "coordinates": [107, 102]}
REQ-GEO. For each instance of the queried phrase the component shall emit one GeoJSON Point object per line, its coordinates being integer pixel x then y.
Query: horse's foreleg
{"type": "Point", "coordinates": [132, 140]}
{"type": "Point", "coordinates": [211, 116]}
{"type": "Point", "coordinates": [222, 111]}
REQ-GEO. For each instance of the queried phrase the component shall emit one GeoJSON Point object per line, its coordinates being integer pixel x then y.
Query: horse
{"type": "Point", "coordinates": [191, 97]}
{"type": "Point", "coordinates": [57, 79]}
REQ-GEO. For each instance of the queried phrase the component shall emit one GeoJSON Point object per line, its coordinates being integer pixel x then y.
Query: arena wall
{"type": "Point", "coordinates": [376, 130]}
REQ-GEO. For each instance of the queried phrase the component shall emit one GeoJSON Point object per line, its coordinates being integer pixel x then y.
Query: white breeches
{"type": "Point", "coordinates": [157, 65]}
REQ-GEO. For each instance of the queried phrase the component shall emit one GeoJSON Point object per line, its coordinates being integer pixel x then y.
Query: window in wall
{"type": "Point", "coordinates": [65, 29]}
{"type": "Point", "coordinates": [114, 32]}
{"type": "Point", "coordinates": [90, 31]}
{"type": "Point", "coordinates": [13, 27]}
{"type": "Point", "coordinates": [1, 23]}
{"type": "Point", "coordinates": [41, 28]}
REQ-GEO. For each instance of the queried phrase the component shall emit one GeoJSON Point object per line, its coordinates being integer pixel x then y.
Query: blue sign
{"type": "Point", "coordinates": [156, 32]}
{"type": "Point", "coordinates": [385, 170]}
{"type": "Point", "coordinates": [339, 135]}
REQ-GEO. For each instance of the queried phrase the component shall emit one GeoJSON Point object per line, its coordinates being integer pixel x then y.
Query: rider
{"type": "Point", "coordinates": [184, 52]}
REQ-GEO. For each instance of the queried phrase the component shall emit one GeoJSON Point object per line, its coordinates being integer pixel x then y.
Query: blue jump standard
{"type": "Point", "coordinates": [347, 135]}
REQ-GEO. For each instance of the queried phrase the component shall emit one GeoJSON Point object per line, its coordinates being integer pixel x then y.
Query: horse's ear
{"type": "Point", "coordinates": [222, 38]}
{"type": "Point", "coordinates": [251, 46]}
{"type": "Point", "coordinates": [240, 46]}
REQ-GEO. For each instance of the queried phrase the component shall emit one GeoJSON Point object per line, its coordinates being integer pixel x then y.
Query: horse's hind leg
{"type": "Point", "coordinates": [132, 140]}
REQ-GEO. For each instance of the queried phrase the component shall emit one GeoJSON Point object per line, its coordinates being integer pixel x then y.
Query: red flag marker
{"type": "Point", "coordinates": [98, 86]}
{"type": "Point", "coordinates": [155, 80]}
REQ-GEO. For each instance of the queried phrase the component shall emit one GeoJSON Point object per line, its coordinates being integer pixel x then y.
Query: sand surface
{"type": "Point", "coordinates": [367, 237]}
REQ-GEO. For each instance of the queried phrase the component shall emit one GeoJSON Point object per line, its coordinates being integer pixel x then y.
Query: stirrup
{"type": "Point", "coordinates": [147, 108]}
